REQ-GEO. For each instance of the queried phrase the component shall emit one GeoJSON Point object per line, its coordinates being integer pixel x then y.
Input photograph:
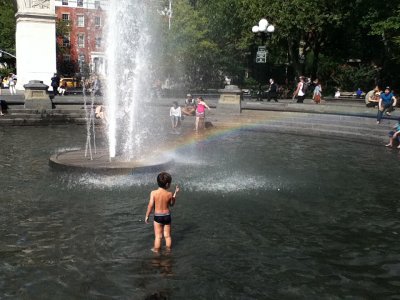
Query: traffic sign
{"type": "Point", "coordinates": [261, 56]}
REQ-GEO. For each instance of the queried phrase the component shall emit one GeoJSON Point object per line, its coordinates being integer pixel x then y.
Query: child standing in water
{"type": "Point", "coordinates": [160, 201]}
{"type": "Point", "coordinates": [200, 113]}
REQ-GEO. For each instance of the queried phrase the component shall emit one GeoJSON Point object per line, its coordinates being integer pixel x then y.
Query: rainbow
{"type": "Point", "coordinates": [190, 138]}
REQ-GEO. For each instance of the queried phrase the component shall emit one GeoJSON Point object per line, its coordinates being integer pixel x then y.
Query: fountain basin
{"type": "Point", "coordinates": [101, 162]}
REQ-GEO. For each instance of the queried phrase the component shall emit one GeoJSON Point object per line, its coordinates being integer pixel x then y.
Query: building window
{"type": "Point", "coordinates": [79, 3]}
{"type": "Point", "coordinates": [81, 61]}
{"type": "Point", "coordinates": [97, 21]}
{"type": "Point", "coordinates": [66, 40]}
{"type": "Point", "coordinates": [64, 2]}
{"type": "Point", "coordinates": [81, 40]}
{"type": "Point", "coordinates": [96, 4]}
{"type": "Point", "coordinates": [66, 58]}
{"type": "Point", "coordinates": [98, 42]}
{"type": "Point", "coordinates": [81, 21]}
{"type": "Point", "coordinates": [65, 17]}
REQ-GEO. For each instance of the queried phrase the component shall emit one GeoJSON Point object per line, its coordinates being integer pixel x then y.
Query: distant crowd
{"type": "Point", "coordinates": [9, 82]}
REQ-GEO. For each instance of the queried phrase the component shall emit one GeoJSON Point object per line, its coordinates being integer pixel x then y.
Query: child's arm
{"type": "Point", "coordinates": [174, 195]}
{"type": "Point", "coordinates": [149, 208]}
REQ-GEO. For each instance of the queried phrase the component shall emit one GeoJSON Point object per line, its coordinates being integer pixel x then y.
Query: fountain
{"type": "Point", "coordinates": [263, 214]}
{"type": "Point", "coordinates": [131, 40]}
{"type": "Point", "coordinates": [291, 216]}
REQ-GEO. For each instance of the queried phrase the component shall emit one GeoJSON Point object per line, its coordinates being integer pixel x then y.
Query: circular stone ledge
{"type": "Point", "coordinates": [76, 161]}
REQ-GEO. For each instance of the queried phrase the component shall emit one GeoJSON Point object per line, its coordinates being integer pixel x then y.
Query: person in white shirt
{"type": "Point", "coordinates": [301, 90]}
{"type": "Point", "coordinates": [175, 114]}
{"type": "Point", "coordinates": [11, 84]}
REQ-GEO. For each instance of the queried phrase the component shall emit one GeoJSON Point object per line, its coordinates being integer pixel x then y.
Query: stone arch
{"type": "Point", "coordinates": [35, 40]}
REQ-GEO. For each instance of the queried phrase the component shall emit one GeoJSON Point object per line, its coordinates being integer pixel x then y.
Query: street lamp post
{"type": "Point", "coordinates": [265, 30]}
{"type": "Point", "coordinates": [263, 27]}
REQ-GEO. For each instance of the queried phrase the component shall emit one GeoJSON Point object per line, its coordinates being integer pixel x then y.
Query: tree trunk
{"type": "Point", "coordinates": [315, 62]}
{"type": "Point", "coordinates": [294, 58]}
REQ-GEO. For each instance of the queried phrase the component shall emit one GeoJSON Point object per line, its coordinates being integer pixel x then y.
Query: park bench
{"type": "Point", "coordinates": [350, 95]}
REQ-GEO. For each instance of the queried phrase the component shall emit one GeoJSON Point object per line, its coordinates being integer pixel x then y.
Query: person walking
{"type": "Point", "coordinates": [300, 91]}
{"type": "Point", "coordinates": [317, 94]}
{"type": "Point", "coordinates": [387, 102]}
{"type": "Point", "coordinates": [272, 91]}
{"type": "Point", "coordinates": [55, 83]}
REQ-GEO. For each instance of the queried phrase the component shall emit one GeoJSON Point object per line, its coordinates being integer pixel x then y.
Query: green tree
{"type": "Point", "coordinates": [7, 30]}
{"type": "Point", "coordinates": [63, 47]}
{"type": "Point", "coordinates": [383, 22]}
{"type": "Point", "coordinates": [189, 55]}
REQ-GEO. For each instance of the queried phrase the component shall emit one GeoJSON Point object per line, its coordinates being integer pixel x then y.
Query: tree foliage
{"type": "Point", "coordinates": [189, 55]}
{"type": "Point", "coordinates": [211, 39]}
{"type": "Point", "coordinates": [7, 30]}
{"type": "Point", "coordinates": [214, 38]}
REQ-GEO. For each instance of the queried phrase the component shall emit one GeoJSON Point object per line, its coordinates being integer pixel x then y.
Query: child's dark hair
{"type": "Point", "coordinates": [164, 179]}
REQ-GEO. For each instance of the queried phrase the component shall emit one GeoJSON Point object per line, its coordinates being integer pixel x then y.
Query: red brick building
{"type": "Point", "coordinates": [80, 44]}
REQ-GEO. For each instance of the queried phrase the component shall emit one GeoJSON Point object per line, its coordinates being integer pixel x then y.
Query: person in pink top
{"type": "Point", "coordinates": [200, 112]}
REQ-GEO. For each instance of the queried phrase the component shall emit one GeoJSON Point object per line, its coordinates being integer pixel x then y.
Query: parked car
{"type": "Point", "coordinates": [70, 83]}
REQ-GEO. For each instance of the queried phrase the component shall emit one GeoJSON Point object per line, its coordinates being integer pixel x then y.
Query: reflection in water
{"type": "Point", "coordinates": [162, 262]}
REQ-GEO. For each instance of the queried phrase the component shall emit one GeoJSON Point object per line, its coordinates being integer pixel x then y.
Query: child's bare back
{"type": "Point", "coordinates": [160, 201]}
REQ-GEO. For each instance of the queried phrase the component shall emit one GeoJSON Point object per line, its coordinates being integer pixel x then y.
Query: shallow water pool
{"type": "Point", "coordinates": [260, 216]}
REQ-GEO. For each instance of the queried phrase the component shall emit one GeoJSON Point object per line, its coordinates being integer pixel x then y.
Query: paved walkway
{"type": "Point", "coordinates": [339, 119]}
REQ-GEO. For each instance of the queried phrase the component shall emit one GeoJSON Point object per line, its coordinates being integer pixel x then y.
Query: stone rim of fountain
{"type": "Point", "coordinates": [75, 160]}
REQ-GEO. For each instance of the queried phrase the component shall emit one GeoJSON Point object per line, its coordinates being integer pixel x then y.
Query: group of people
{"type": "Point", "coordinates": [386, 103]}
{"type": "Point", "coordinates": [58, 89]}
{"type": "Point", "coordinates": [9, 82]}
{"type": "Point", "coordinates": [302, 87]}
{"type": "Point", "coordinates": [384, 100]}
{"type": "Point", "coordinates": [192, 108]}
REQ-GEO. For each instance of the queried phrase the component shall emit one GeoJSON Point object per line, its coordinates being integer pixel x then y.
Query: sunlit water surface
{"type": "Point", "coordinates": [260, 216]}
